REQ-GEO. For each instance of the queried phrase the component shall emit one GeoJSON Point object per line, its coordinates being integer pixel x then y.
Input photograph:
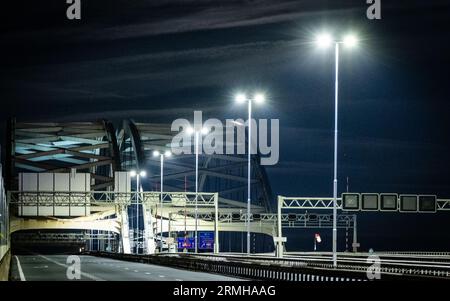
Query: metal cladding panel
{"type": "Point", "coordinates": [62, 182]}
{"type": "Point", "coordinates": [122, 181]}
{"type": "Point", "coordinates": [28, 181]}
{"type": "Point", "coordinates": [80, 182]}
{"type": "Point", "coordinates": [46, 184]}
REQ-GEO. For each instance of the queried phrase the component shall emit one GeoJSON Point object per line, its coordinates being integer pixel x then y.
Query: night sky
{"type": "Point", "coordinates": [155, 61]}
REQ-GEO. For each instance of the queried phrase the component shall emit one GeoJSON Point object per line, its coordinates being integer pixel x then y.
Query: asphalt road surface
{"type": "Point", "coordinates": [55, 268]}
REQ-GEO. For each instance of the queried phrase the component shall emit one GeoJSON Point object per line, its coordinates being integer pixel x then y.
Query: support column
{"type": "Point", "coordinates": [125, 230]}
{"type": "Point", "coordinates": [216, 224]}
{"type": "Point", "coordinates": [149, 235]}
{"type": "Point", "coordinates": [278, 240]}
{"type": "Point", "coordinates": [355, 243]}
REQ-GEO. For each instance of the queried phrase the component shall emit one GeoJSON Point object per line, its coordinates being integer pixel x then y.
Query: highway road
{"type": "Point", "coordinates": [54, 268]}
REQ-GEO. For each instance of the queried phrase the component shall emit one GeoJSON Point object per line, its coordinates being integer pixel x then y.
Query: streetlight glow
{"type": "Point", "coordinates": [156, 153]}
{"type": "Point", "coordinates": [350, 40]}
{"type": "Point", "coordinates": [324, 40]}
{"type": "Point", "coordinates": [138, 175]}
{"type": "Point", "coordinates": [241, 98]}
{"type": "Point", "coordinates": [190, 130]}
{"type": "Point", "coordinates": [167, 153]}
{"type": "Point", "coordinates": [259, 98]}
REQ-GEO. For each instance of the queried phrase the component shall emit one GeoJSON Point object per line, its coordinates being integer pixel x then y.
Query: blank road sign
{"type": "Point", "coordinates": [350, 201]}
{"type": "Point", "coordinates": [408, 203]}
{"type": "Point", "coordinates": [369, 201]}
{"type": "Point", "coordinates": [388, 202]}
{"type": "Point", "coordinates": [427, 203]}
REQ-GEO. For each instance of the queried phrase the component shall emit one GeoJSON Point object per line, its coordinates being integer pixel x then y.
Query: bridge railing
{"type": "Point", "coordinates": [247, 270]}
{"type": "Point", "coordinates": [271, 268]}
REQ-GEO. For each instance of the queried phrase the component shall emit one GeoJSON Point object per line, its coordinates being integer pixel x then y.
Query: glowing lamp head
{"type": "Point", "coordinates": [190, 130]}
{"type": "Point", "coordinates": [324, 40]}
{"type": "Point", "coordinates": [167, 153]}
{"type": "Point", "coordinates": [260, 98]}
{"type": "Point", "coordinates": [204, 131]}
{"type": "Point", "coordinates": [142, 173]}
{"type": "Point", "coordinates": [240, 98]}
{"type": "Point", "coordinates": [350, 40]}
{"type": "Point", "coordinates": [156, 153]}
{"type": "Point", "coordinates": [133, 173]}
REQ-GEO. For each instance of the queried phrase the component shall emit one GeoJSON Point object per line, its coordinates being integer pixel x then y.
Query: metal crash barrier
{"type": "Point", "coordinates": [260, 269]}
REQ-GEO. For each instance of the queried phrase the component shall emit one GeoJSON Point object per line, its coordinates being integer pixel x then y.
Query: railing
{"type": "Point", "coordinates": [247, 270]}
{"type": "Point", "coordinates": [387, 269]}
{"type": "Point", "coordinates": [271, 268]}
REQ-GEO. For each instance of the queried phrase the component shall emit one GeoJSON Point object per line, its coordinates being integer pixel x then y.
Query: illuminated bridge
{"type": "Point", "coordinates": [70, 190]}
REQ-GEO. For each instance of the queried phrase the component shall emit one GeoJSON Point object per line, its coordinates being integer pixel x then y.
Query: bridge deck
{"type": "Point", "coordinates": [54, 267]}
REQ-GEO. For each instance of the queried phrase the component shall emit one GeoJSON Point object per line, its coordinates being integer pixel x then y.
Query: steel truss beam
{"type": "Point", "coordinates": [288, 220]}
{"type": "Point", "coordinates": [60, 147]}
{"type": "Point", "coordinates": [88, 198]}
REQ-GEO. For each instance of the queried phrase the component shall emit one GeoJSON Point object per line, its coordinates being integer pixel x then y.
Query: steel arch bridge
{"type": "Point", "coordinates": [225, 174]}
{"type": "Point", "coordinates": [96, 148]}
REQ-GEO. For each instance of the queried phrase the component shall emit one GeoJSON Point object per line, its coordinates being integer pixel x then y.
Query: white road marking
{"type": "Point", "coordinates": [178, 280]}
{"type": "Point", "coordinates": [136, 271]}
{"type": "Point", "coordinates": [148, 273]}
{"type": "Point", "coordinates": [126, 268]}
{"type": "Point", "coordinates": [161, 276]}
{"type": "Point", "coordinates": [19, 267]}
{"type": "Point", "coordinates": [41, 267]}
{"type": "Point", "coordinates": [66, 266]}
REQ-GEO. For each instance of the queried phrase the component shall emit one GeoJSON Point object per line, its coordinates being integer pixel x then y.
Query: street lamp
{"type": "Point", "coordinates": [196, 132]}
{"type": "Point", "coordinates": [138, 175]}
{"type": "Point", "coordinates": [325, 40]}
{"type": "Point", "coordinates": [241, 98]}
{"type": "Point", "coordinates": [166, 154]}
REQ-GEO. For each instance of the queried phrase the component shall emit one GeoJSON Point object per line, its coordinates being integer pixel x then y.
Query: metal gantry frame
{"type": "Point", "coordinates": [307, 203]}
{"type": "Point", "coordinates": [327, 203]}
{"type": "Point", "coordinates": [322, 203]}
{"type": "Point", "coordinates": [179, 200]}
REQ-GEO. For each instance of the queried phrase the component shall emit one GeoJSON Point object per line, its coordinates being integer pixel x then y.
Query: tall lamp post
{"type": "Point", "coordinates": [324, 41]}
{"type": "Point", "coordinates": [241, 98]}
{"type": "Point", "coordinates": [161, 156]}
{"type": "Point", "coordinates": [138, 175]}
{"type": "Point", "coordinates": [196, 133]}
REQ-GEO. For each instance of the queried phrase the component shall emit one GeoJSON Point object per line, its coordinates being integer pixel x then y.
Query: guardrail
{"type": "Point", "coordinates": [261, 268]}
{"type": "Point", "coordinates": [247, 270]}
{"type": "Point", "coordinates": [386, 269]}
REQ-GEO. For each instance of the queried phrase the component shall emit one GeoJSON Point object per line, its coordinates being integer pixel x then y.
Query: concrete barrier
{"type": "Point", "coordinates": [5, 261]}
